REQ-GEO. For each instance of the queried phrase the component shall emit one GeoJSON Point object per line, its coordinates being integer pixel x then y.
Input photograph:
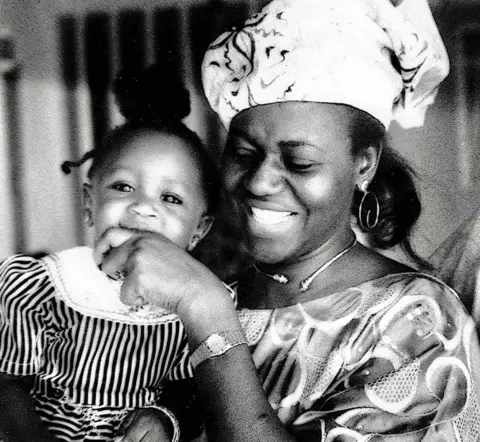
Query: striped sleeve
{"type": "Point", "coordinates": [181, 369]}
{"type": "Point", "coordinates": [24, 290]}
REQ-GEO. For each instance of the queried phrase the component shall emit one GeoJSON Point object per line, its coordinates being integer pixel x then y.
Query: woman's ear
{"type": "Point", "coordinates": [87, 200]}
{"type": "Point", "coordinates": [201, 230]}
{"type": "Point", "coordinates": [367, 164]}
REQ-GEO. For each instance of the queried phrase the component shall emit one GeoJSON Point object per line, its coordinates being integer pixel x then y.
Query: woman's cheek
{"type": "Point", "coordinates": [232, 174]}
{"type": "Point", "coordinates": [316, 191]}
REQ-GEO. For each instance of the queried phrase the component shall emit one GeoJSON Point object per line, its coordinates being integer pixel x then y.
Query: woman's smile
{"type": "Point", "coordinates": [263, 222]}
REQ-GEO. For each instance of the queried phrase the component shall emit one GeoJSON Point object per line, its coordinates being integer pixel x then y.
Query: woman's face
{"type": "Point", "coordinates": [291, 175]}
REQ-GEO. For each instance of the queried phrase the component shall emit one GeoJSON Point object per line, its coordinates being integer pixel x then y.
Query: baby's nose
{"type": "Point", "coordinates": [144, 208]}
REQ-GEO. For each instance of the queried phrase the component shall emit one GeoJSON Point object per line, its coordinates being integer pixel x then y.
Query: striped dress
{"type": "Point", "coordinates": [89, 370]}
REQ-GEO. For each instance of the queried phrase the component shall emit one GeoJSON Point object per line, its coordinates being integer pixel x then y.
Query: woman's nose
{"type": "Point", "coordinates": [265, 179]}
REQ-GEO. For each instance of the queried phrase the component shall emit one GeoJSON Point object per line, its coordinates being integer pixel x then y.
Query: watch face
{"type": "Point", "coordinates": [216, 343]}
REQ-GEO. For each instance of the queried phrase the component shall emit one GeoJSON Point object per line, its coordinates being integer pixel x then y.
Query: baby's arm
{"type": "Point", "coordinates": [19, 421]}
{"type": "Point", "coordinates": [155, 424]}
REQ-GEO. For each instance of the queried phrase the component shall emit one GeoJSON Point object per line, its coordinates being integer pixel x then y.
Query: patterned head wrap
{"type": "Point", "coordinates": [385, 57]}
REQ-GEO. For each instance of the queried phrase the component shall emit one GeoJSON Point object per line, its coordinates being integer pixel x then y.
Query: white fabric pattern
{"type": "Point", "coordinates": [386, 60]}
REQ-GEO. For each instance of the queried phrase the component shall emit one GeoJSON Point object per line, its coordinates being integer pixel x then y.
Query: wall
{"type": "Point", "coordinates": [46, 202]}
{"type": "Point", "coordinates": [47, 216]}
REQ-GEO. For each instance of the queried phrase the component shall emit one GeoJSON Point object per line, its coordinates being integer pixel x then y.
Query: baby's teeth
{"type": "Point", "coordinates": [269, 215]}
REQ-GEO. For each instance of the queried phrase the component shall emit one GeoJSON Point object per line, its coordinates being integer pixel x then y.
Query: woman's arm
{"type": "Point", "coordinates": [228, 386]}
{"type": "Point", "coordinates": [158, 271]}
{"type": "Point", "coordinates": [19, 421]}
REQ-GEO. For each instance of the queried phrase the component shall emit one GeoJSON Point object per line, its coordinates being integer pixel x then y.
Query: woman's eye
{"type": "Point", "coordinates": [244, 155]}
{"type": "Point", "coordinates": [122, 187]}
{"type": "Point", "coordinates": [171, 199]}
{"type": "Point", "coordinates": [300, 166]}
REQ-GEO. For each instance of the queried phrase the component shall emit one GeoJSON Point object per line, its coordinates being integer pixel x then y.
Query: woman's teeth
{"type": "Point", "coordinates": [270, 216]}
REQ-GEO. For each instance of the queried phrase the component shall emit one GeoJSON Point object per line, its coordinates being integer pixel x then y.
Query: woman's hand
{"type": "Point", "coordinates": [155, 269]}
{"type": "Point", "coordinates": [146, 425]}
{"type": "Point", "coordinates": [159, 272]}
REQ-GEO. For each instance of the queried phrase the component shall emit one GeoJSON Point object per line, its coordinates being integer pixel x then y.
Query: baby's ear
{"type": "Point", "coordinates": [201, 230]}
{"type": "Point", "coordinates": [87, 200]}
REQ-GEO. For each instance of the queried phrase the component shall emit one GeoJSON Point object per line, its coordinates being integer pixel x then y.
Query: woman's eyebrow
{"type": "Point", "coordinates": [237, 132]}
{"type": "Point", "coordinates": [292, 144]}
{"type": "Point", "coordinates": [286, 144]}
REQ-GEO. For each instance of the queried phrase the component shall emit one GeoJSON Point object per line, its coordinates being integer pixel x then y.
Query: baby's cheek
{"type": "Point", "coordinates": [178, 231]}
{"type": "Point", "coordinates": [107, 215]}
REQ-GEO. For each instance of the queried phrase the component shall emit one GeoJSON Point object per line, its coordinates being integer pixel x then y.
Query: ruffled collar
{"type": "Point", "coordinates": [85, 288]}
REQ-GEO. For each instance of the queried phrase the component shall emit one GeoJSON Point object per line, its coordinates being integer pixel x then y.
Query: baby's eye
{"type": "Point", "coordinates": [122, 187]}
{"type": "Point", "coordinates": [172, 199]}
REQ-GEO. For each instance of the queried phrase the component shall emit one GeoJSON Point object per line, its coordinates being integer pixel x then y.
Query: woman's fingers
{"type": "Point", "coordinates": [110, 239]}
{"type": "Point", "coordinates": [115, 262]}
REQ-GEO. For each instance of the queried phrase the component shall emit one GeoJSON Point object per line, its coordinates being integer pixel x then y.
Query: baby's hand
{"type": "Point", "coordinates": [146, 425]}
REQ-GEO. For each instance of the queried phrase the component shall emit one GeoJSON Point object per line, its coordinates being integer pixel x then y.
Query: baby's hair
{"type": "Point", "coordinates": [152, 99]}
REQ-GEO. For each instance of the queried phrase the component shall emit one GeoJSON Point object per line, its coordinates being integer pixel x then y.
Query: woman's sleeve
{"type": "Point", "coordinates": [451, 371]}
{"type": "Point", "coordinates": [24, 290]}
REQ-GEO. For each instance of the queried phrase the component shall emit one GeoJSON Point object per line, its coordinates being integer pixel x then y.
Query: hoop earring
{"type": "Point", "coordinates": [368, 221]}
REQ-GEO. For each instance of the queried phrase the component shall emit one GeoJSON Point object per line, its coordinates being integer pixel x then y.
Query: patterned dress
{"type": "Point", "coordinates": [89, 371]}
{"type": "Point", "coordinates": [394, 359]}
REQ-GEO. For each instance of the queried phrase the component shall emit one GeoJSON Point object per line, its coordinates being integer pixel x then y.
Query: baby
{"type": "Point", "coordinates": [92, 360]}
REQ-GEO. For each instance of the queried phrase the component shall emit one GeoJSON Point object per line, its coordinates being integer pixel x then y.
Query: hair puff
{"type": "Point", "coordinates": [152, 95]}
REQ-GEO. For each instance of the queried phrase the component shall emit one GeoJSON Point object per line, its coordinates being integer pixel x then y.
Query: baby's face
{"type": "Point", "coordinates": [151, 183]}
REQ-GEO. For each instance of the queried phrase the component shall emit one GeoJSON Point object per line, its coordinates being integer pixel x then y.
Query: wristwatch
{"type": "Point", "coordinates": [215, 345]}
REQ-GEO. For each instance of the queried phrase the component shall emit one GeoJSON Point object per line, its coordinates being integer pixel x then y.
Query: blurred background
{"type": "Point", "coordinates": [59, 57]}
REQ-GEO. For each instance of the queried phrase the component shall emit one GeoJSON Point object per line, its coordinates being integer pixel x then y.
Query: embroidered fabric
{"type": "Point", "coordinates": [254, 323]}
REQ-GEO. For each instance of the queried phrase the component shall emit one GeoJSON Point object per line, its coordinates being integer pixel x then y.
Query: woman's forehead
{"type": "Point", "coordinates": [295, 121]}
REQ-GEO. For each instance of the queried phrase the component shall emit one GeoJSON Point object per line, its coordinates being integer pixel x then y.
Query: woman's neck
{"type": "Point", "coordinates": [302, 279]}
{"type": "Point", "coordinates": [303, 266]}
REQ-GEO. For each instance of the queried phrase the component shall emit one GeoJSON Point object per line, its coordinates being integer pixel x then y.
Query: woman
{"type": "Point", "coordinates": [343, 343]}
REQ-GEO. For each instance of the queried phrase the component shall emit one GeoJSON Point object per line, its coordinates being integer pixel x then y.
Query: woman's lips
{"type": "Point", "coordinates": [270, 217]}
{"type": "Point", "coordinates": [265, 222]}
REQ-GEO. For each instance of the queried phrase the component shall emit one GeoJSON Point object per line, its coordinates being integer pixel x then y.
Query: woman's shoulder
{"type": "Point", "coordinates": [373, 272]}
{"type": "Point", "coordinates": [414, 283]}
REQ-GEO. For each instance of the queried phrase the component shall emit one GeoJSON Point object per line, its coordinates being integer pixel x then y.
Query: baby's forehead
{"type": "Point", "coordinates": [165, 153]}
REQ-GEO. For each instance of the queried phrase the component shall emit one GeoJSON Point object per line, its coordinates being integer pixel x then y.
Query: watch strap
{"type": "Point", "coordinates": [215, 345]}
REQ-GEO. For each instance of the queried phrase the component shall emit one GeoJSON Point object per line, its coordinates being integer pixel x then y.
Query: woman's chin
{"type": "Point", "coordinates": [268, 252]}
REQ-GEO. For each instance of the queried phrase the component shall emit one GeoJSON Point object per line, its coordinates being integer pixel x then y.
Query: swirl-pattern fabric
{"type": "Point", "coordinates": [387, 60]}
{"type": "Point", "coordinates": [393, 359]}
